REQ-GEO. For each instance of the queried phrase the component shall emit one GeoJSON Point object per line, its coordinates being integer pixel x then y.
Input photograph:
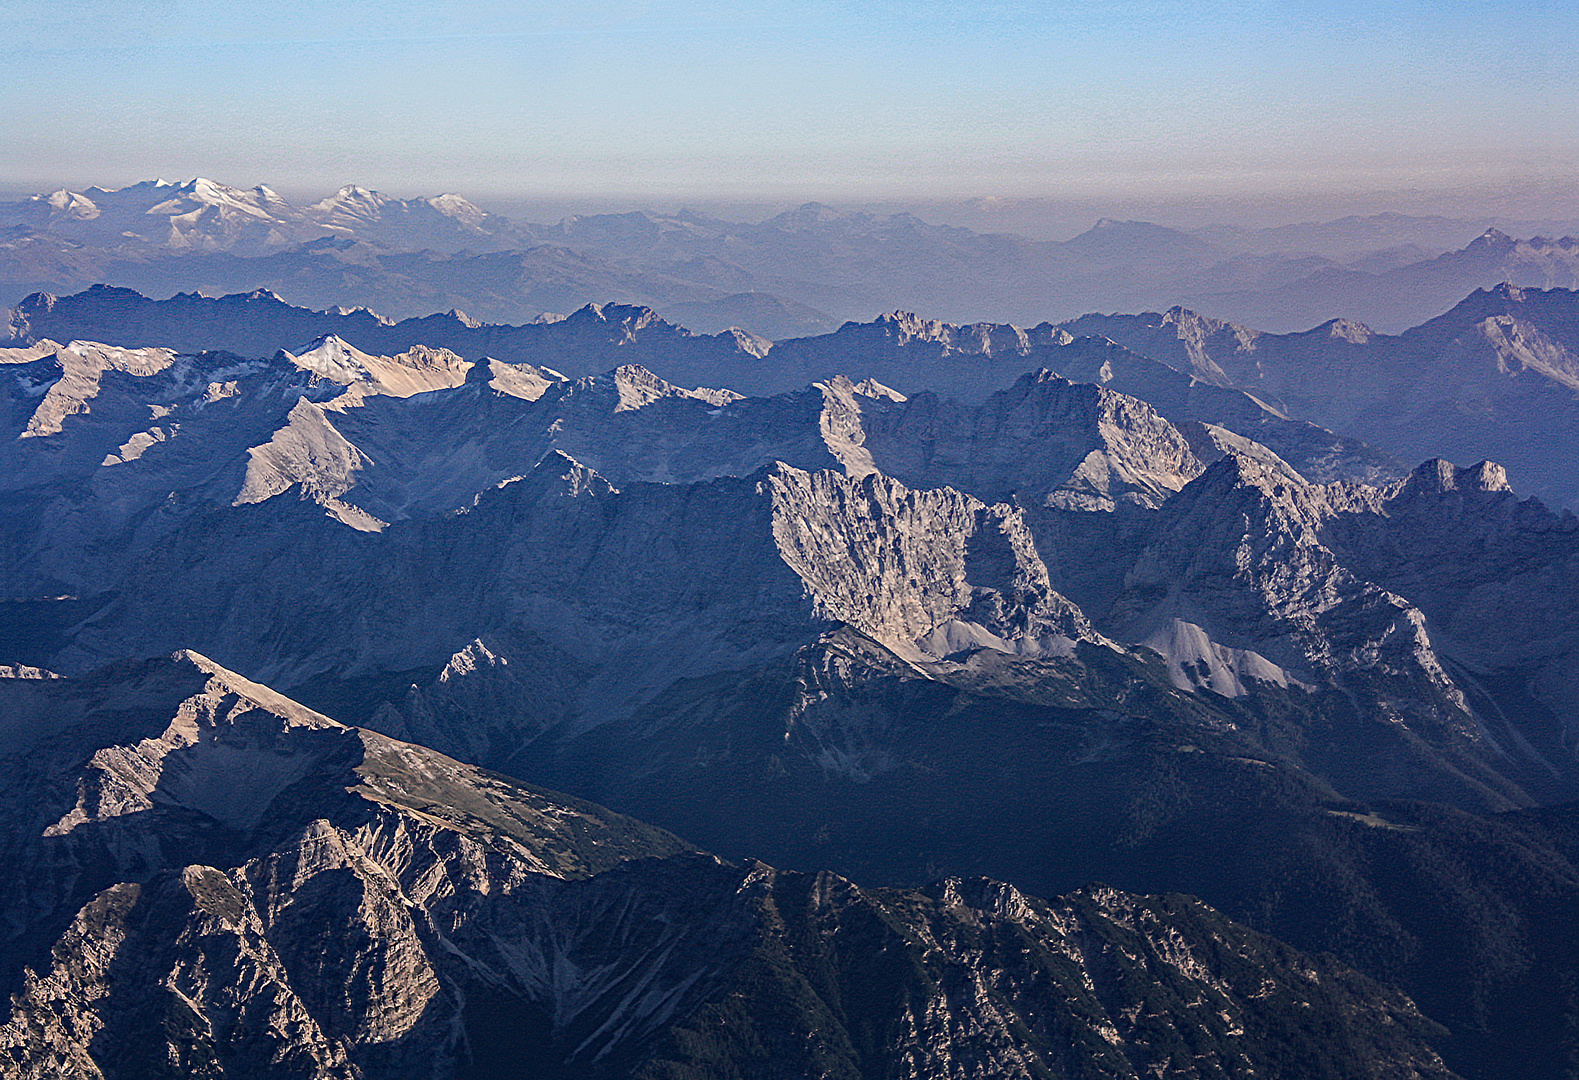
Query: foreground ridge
{"type": "Point", "coordinates": [358, 907]}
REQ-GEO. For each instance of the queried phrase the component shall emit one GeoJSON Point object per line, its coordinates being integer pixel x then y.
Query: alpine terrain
{"type": "Point", "coordinates": [1140, 695]}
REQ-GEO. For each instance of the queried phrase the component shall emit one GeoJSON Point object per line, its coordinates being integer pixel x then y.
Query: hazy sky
{"type": "Point", "coordinates": [790, 100]}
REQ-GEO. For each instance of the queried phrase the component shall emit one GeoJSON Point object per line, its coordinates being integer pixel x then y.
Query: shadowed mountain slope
{"type": "Point", "coordinates": [239, 886]}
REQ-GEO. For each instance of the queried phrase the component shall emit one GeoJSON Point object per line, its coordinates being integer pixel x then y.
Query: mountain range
{"type": "Point", "coordinates": [798, 273]}
{"type": "Point", "coordinates": [1492, 379]}
{"type": "Point", "coordinates": [201, 215]}
{"type": "Point", "coordinates": [625, 693]}
{"type": "Point", "coordinates": [1077, 615]}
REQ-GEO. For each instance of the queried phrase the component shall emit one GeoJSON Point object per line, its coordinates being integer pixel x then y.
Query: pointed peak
{"type": "Point", "coordinates": [908, 326]}
{"type": "Point", "coordinates": [636, 376]}
{"type": "Point", "coordinates": [1208, 442]}
{"type": "Point", "coordinates": [38, 302]}
{"type": "Point", "coordinates": [525, 381]}
{"type": "Point", "coordinates": [1494, 239]}
{"type": "Point", "coordinates": [352, 196]}
{"type": "Point", "coordinates": [360, 311]}
{"type": "Point", "coordinates": [556, 475]}
{"type": "Point", "coordinates": [193, 658]}
{"type": "Point", "coordinates": [1239, 470]}
{"type": "Point", "coordinates": [630, 318]}
{"type": "Point", "coordinates": [1188, 320]}
{"type": "Point", "coordinates": [747, 342]}
{"type": "Point", "coordinates": [781, 470]}
{"type": "Point", "coordinates": [330, 357]}
{"type": "Point", "coordinates": [330, 342]}
{"type": "Point", "coordinates": [557, 459]}
{"type": "Point", "coordinates": [72, 204]}
{"type": "Point", "coordinates": [1483, 302]}
{"type": "Point", "coordinates": [1041, 377]}
{"type": "Point", "coordinates": [577, 479]}
{"type": "Point", "coordinates": [456, 206]}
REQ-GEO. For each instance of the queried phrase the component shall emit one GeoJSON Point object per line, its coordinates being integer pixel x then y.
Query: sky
{"type": "Point", "coordinates": [782, 102]}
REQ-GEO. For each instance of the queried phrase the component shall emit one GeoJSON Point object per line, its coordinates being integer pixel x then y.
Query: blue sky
{"type": "Point", "coordinates": [835, 100]}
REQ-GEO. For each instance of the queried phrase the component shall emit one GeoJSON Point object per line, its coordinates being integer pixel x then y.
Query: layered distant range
{"type": "Point", "coordinates": [799, 273]}
{"type": "Point", "coordinates": [998, 645]}
{"type": "Point", "coordinates": [1493, 378]}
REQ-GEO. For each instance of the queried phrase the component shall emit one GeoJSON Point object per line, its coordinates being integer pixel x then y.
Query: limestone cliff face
{"type": "Point", "coordinates": [1486, 379]}
{"type": "Point", "coordinates": [265, 888]}
{"type": "Point", "coordinates": [154, 442]}
{"type": "Point", "coordinates": [592, 339]}
{"type": "Point", "coordinates": [1493, 575]}
{"type": "Point", "coordinates": [1245, 539]}
{"type": "Point", "coordinates": [626, 589]}
{"type": "Point", "coordinates": [1450, 547]}
{"type": "Point", "coordinates": [927, 570]}
{"type": "Point", "coordinates": [1250, 573]}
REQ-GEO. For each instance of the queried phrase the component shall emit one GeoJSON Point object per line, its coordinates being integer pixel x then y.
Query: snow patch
{"type": "Point", "coordinates": [957, 636]}
{"type": "Point", "coordinates": [1196, 662]}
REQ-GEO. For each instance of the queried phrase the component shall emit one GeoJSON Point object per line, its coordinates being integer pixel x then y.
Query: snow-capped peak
{"type": "Point", "coordinates": [352, 195]}
{"type": "Point", "coordinates": [457, 207]}
{"type": "Point", "coordinates": [333, 359]}
{"type": "Point", "coordinates": [70, 204]}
